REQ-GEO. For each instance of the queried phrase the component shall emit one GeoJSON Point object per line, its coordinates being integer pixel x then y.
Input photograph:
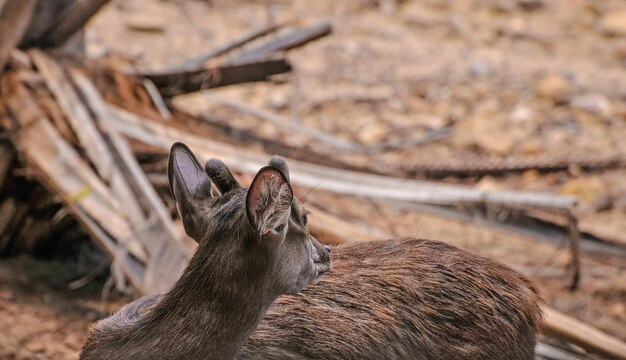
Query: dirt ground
{"type": "Point", "coordinates": [512, 78]}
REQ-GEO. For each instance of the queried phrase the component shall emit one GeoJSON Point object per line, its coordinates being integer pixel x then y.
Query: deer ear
{"type": "Point", "coordinates": [268, 202]}
{"type": "Point", "coordinates": [188, 184]}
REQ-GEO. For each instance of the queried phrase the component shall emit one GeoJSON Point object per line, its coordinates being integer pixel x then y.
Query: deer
{"type": "Point", "coordinates": [400, 299]}
{"type": "Point", "coordinates": [253, 245]}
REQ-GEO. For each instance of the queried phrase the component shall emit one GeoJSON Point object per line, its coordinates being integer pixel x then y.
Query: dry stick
{"type": "Point", "coordinates": [291, 40]}
{"type": "Point", "coordinates": [76, 112]}
{"type": "Point", "coordinates": [167, 251]}
{"type": "Point", "coordinates": [15, 17]}
{"type": "Point", "coordinates": [255, 69]}
{"type": "Point", "coordinates": [157, 99]}
{"type": "Point", "coordinates": [331, 140]}
{"type": "Point", "coordinates": [567, 328]}
{"type": "Point", "coordinates": [332, 179]}
{"type": "Point", "coordinates": [198, 61]}
{"type": "Point", "coordinates": [482, 166]}
{"type": "Point", "coordinates": [90, 139]}
{"type": "Point", "coordinates": [71, 20]}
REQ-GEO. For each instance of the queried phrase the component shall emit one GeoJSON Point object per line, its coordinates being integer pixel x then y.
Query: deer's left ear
{"type": "Point", "coordinates": [189, 185]}
{"type": "Point", "coordinates": [268, 202]}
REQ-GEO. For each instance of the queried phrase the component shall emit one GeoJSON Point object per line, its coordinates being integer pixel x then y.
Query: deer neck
{"type": "Point", "coordinates": [215, 311]}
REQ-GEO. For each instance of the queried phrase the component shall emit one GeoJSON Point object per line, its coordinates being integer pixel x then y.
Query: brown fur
{"type": "Point", "coordinates": [403, 299]}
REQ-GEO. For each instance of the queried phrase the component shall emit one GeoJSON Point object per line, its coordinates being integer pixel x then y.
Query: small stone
{"type": "Point", "coordinates": [145, 23]}
{"type": "Point", "coordinates": [618, 310]}
{"type": "Point", "coordinates": [480, 68]}
{"type": "Point", "coordinates": [554, 87]}
{"type": "Point", "coordinates": [521, 114]}
{"type": "Point", "coordinates": [532, 148]}
{"type": "Point", "coordinates": [593, 103]}
{"type": "Point", "coordinates": [614, 24]}
{"type": "Point", "coordinates": [373, 134]}
{"type": "Point", "coordinates": [278, 100]}
{"type": "Point", "coordinates": [488, 183]}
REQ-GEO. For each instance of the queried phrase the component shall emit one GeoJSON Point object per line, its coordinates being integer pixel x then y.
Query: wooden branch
{"type": "Point", "coordinates": [15, 16]}
{"type": "Point", "coordinates": [72, 20]}
{"type": "Point", "coordinates": [197, 62]}
{"type": "Point", "coordinates": [91, 140]}
{"type": "Point", "coordinates": [251, 70]}
{"type": "Point", "coordinates": [77, 113]}
{"type": "Point", "coordinates": [567, 328]}
{"type": "Point", "coordinates": [291, 40]}
{"type": "Point", "coordinates": [157, 99]}
{"type": "Point", "coordinates": [335, 180]}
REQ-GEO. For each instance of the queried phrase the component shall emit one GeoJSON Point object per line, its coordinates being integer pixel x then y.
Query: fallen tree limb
{"type": "Point", "coordinates": [259, 68]}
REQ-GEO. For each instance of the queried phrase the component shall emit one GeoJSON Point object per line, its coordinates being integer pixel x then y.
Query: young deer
{"type": "Point", "coordinates": [252, 246]}
{"type": "Point", "coordinates": [401, 299]}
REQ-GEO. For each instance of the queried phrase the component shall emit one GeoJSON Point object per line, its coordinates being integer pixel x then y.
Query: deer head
{"type": "Point", "coordinates": [264, 220]}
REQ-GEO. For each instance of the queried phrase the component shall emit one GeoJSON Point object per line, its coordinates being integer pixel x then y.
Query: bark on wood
{"type": "Point", "coordinates": [255, 69]}
{"type": "Point", "coordinates": [15, 16]}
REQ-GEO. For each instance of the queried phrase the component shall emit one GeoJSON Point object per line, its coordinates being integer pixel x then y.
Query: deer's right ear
{"type": "Point", "coordinates": [268, 203]}
{"type": "Point", "coordinates": [188, 184]}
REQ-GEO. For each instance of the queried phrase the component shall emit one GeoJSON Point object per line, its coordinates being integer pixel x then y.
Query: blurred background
{"type": "Point", "coordinates": [498, 126]}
